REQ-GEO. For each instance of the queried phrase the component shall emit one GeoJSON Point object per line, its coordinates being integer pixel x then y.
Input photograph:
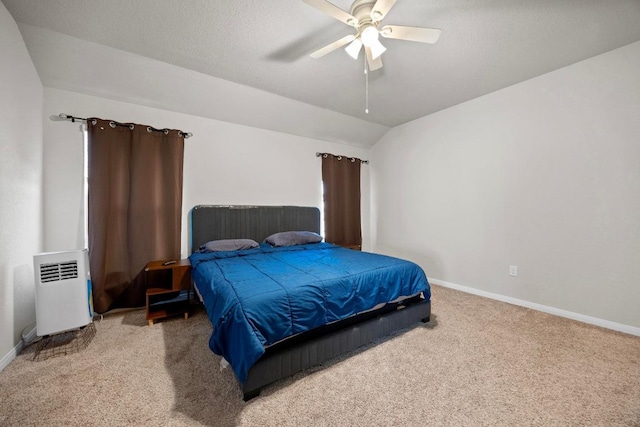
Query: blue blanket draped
{"type": "Point", "coordinates": [257, 297]}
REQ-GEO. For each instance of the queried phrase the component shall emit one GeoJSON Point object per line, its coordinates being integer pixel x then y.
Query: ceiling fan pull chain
{"type": "Point", "coordinates": [366, 86]}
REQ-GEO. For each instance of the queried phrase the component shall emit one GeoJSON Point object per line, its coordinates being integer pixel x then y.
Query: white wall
{"type": "Point", "coordinates": [20, 185]}
{"type": "Point", "coordinates": [544, 175]}
{"type": "Point", "coordinates": [76, 65]}
{"type": "Point", "coordinates": [225, 163]}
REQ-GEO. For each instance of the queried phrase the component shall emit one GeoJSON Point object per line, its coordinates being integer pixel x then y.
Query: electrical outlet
{"type": "Point", "coordinates": [513, 270]}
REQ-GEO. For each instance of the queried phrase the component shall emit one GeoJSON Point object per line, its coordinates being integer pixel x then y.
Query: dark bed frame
{"type": "Point", "coordinates": [315, 347]}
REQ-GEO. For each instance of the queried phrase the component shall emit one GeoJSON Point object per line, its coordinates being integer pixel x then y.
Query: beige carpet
{"type": "Point", "coordinates": [479, 362]}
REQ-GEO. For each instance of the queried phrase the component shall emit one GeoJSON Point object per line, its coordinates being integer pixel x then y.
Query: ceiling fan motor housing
{"type": "Point", "coordinates": [362, 10]}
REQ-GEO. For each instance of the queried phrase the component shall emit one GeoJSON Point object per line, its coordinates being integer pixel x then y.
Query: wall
{"type": "Point", "coordinates": [225, 163]}
{"type": "Point", "coordinates": [544, 175]}
{"type": "Point", "coordinates": [76, 65]}
{"type": "Point", "coordinates": [20, 185]}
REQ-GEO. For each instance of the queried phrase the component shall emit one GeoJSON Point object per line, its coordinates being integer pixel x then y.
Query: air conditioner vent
{"type": "Point", "coordinates": [58, 271]}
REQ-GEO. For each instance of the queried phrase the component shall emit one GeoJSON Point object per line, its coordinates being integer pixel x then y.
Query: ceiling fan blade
{"type": "Point", "coordinates": [333, 11]}
{"type": "Point", "coordinates": [333, 46]}
{"type": "Point", "coordinates": [416, 34]}
{"type": "Point", "coordinates": [381, 8]}
{"type": "Point", "coordinates": [374, 64]}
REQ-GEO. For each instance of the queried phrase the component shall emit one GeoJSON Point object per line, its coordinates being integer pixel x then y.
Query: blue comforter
{"type": "Point", "coordinates": [257, 297]}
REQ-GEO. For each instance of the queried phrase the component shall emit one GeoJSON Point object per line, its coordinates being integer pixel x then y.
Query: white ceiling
{"type": "Point", "coordinates": [485, 45]}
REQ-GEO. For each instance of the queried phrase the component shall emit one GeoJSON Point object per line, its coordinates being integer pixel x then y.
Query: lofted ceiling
{"type": "Point", "coordinates": [485, 45]}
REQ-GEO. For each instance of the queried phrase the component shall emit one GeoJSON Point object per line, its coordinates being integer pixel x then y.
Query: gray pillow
{"type": "Point", "coordinates": [228, 245]}
{"type": "Point", "coordinates": [290, 238]}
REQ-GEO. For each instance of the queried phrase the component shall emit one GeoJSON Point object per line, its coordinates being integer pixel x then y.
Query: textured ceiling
{"type": "Point", "coordinates": [485, 45]}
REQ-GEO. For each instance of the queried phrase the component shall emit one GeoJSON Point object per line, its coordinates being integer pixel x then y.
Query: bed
{"type": "Point", "coordinates": [279, 310]}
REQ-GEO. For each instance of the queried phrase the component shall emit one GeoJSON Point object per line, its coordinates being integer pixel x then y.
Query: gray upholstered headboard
{"type": "Point", "coordinates": [248, 222]}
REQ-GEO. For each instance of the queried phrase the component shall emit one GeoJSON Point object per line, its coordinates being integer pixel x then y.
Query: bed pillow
{"type": "Point", "coordinates": [228, 245]}
{"type": "Point", "coordinates": [290, 238]}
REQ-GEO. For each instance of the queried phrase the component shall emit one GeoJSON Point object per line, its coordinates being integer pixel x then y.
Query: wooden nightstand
{"type": "Point", "coordinates": [168, 289]}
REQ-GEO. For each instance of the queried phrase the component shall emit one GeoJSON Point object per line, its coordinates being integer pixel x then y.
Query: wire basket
{"type": "Point", "coordinates": [65, 343]}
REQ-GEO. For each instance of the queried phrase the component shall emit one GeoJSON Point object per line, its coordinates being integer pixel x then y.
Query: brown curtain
{"type": "Point", "coordinates": [341, 183]}
{"type": "Point", "coordinates": [134, 207]}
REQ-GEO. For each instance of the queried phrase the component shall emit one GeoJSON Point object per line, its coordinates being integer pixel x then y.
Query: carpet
{"type": "Point", "coordinates": [479, 362]}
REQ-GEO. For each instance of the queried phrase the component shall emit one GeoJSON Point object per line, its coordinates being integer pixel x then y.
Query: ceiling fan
{"type": "Point", "coordinates": [365, 16]}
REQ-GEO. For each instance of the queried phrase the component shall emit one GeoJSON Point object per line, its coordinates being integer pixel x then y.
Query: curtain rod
{"type": "Point", "coordinates": [63, 116]}
{"type": "Point", "coordinates": [366, 162]}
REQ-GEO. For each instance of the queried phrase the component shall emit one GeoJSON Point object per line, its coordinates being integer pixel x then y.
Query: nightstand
{"type": "Point", "coordinates": [168, 289]}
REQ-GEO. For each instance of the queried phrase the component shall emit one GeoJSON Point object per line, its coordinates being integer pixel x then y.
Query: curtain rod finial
{"type": "Point", "coordinates": [60, 117]}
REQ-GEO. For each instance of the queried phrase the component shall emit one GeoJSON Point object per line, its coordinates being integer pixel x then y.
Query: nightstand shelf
{"type": "Point", "coordinates": [168, 289]}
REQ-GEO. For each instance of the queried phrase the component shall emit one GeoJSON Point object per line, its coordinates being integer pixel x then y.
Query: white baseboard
{"type": "Point", "coordinates": [631, 330]}
{"type": "Point", "coordinates": [8, 358]}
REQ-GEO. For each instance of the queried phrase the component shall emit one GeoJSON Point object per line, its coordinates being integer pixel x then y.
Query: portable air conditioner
{"type": "Point", "coordinates": [63, 291]}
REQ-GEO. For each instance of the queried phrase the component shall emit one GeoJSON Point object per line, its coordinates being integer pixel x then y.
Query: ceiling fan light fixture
{"type": "Point", "coordinates": [377, 49]}
{"type": "Point", "coordinates": [354, 48]}
{"type": "Point", "coordinates": [369, 35]}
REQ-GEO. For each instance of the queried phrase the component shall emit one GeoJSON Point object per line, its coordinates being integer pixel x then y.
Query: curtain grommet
{"type": "Point", "coordinates": [166, 131]}
{"type": "Point", "coordinates": [112, 124]}
{"type": "Point", "coordinates": [149, 129]}
{"type": "Point", "coordinates": [132, 127]}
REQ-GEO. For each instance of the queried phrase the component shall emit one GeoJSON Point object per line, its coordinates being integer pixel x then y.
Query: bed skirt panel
{"type": "Point", "coordinates": [303, 355]}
